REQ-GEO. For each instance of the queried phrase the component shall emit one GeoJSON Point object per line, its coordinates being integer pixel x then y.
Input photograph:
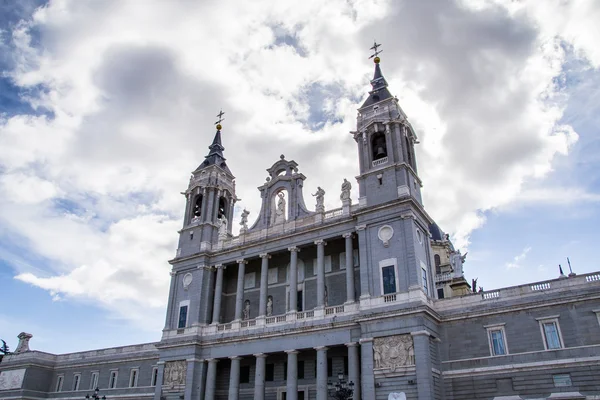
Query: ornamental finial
{"type": "Point", "coordinates": [221, 119]}
{"type": "Point", "coordinates": [376, 52]}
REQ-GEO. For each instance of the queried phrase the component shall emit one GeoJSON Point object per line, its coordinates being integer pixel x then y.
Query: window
{"type": "Point", "coordinates": [270, 372]}
{"type": "Point", "coordinates": [497, 340]}
{"type": "Point", "coordinates": [133, 377]}
{"type": "Point", "coordinates": [550, 332]}
{"type": "Point", "coordinates": [301, 369]}
{"type": "Point", "coordinates": [94, 380]}
{"type": "Point", "coordinates": [346, 365]}
{"type": "Point", "coordinates": [76, 381]}
{"type": "Point", "coordinates": [112, 381]}
{"type": "Point", "coordinates": [378, 146]}
{"type": "Point", "coordinates": [285, 371]}
{"type": "Point", "coordinates": [438, 264]}
{"type": "Point", "coordinates": [245, 374]}
{"type": "Point", "coordinates": [250, 280]}
{"type": "Point", "coordinates": [59, 383]}
{"type": "Point", "coordinates": [597, 314]}
{"type": "Point", "coordinates": [424, 276]}
{"type": "Point", "coordinates": [440, 292]}
{"type": "Point", "coordinates": [198, 207]}
{"type": "Point", "coordinates": [388, 276]}
{"type": "Point", "coordinates": [183, 313]}
{"type": "Point", "coordinates": [329, 367]}
{"type": "Point", "coordinates": [562, 380]}
{"type": "Point", "coordinates": [222, 208]}
{"type": "Point", "coordinates": [154, 376]}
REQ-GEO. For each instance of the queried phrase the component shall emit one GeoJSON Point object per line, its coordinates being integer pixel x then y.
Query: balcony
{"type": "Point", "coordinates": [379, 162]}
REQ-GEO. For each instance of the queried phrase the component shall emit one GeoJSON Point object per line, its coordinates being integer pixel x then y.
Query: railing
{"type": "Point", "coordinates": [381, 161]}
{"type": "Point", "coordinates": [224, 327]}
{"type": "Point", "coordinates": [333, 213]}
{"type": "Point", "coordinates": [389, 298]}
{"type": "Point", "coordinates": [270, 320]}
{"type": "Point", "coordinates": [541, 286]}
{"type": "Point", "coordinates": [447, 276]}
{"type": "Point", "coordinates": [592, 278]}
{"type": "Point", "coordinates": [490, 295]}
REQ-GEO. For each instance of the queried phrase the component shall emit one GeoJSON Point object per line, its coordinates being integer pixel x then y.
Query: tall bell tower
{"type": "Point", "coordinates": [385, 139]}
{"type": "Point", "coordinates": [210, 199]}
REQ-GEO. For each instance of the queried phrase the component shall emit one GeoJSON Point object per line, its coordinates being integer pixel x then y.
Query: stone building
{"type": "Point", "coordinates": [300, 296]}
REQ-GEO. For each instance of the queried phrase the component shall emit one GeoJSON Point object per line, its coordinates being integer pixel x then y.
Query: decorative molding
{"type": "Point", "coordinates": [347, 235]}
{"type": "Point", "coordinates": [351, 344]}
{"type": "Point", "coordinates": [265, 255]}
{"type": "Point", "coordinates": [321, 348]}
{"type": "Point", "coordinates": [294, 248]}
{"type": "Point", "coordinates": [292, 351]}
{"type": "Point", "coordinates": [187, 280]}
{"type": "Point", "coordinates": [242, 261]}
{"type": "Point", "coordinates": [260, 355]}
{"type": "Point", "coordinates": [385, 233]}
{"type": "Point", "coordinates": [360, 228]}
{"type": "Point", "coordinates": [422, 332]}
{"type": "Point", "coordinates": [392, 352]}
{"type": "Point", "coordinates": [321, 241]}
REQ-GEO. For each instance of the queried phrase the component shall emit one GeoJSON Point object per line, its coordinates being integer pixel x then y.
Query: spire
{"type": "Point", "coordinates": [379, 84]}
{"type": "Point", "coordinates": [215, 155]}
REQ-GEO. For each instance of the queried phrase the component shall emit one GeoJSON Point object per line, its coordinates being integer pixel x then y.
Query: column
{"type": "Point", "coordinates": [218, 294]}
{"type": "Point", "coordinates": [293, 279]}
{"type": "Point", "coordinates": [234, 378]}
{"type": "Point", "coordinates": [353, 368]}
{"type": "Point", "coordinates": [322, 373]}
{"type": "Point", "coordinates": [203, 207]}
{"type": "Point", "coordinates": [239, 295]}
{"type": "Point", "coordinates": [365, 293]}
{"type": "Point", "coordinates": [259, 376]}
{"type": "Point", "coordinates": [423, 364]}
{"type": "Point", "coordinates": [367, 378]}
{"type": "Point", "coordinates": [320, 273]}
{"type": "Point", "coordinates": [159, 380]}
{"type": "Point", "coordinates": [211, 378]}
{"type": "Point", "coordinates": [264, 271]}
{"type": "Point", "coordinates": [189, 377]}
{"type": "Point", "coordinates": [292, 375]}
{"type": "Point", "coordinates": [198, 394]}
{"type": "Point", "coordinates": [350, 295]}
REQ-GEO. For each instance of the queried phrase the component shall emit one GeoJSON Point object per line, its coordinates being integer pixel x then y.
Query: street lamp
{"type": "Point", "coordinates": [342, 390]}
{"type": "Point", "coordinates": [95, 396]}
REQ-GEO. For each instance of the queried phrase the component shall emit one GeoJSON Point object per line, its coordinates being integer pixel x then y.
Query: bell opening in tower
{"type": "Point", "coordinates": [379, 146]}
{"type": "Point", "coordinates": [222, 208]}
{"type": "Point", "coordinates": [197, 212]}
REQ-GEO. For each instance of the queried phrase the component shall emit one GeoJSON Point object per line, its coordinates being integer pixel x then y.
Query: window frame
{"type": "Point", "coordinates": [554, 320]}
{"type": "Point", "coordinates": [76, 381]}
{"type": "Point", "coordinates": [597, 312]}
{"type": "Point", "coordinates": [389, 262]}
{"type": "Point", "coordinates": [424, 280]}
{"type": "Point", "coordinates": [154, 377]}
{"type": "Point", "coordinates": [184, 303]}
{"type": "Point", "coordinates": [269, 372]}
{"type": "Point", "coordinates": [94, 377]}
{"type": "Point", "coordinates": [496, 328]}
{"type": "Point", "coordinates": [133, 380]}
{"type": "Point", "coordinates": [60, 380]}
{"type": "Point", "coordinates": [113, 384]}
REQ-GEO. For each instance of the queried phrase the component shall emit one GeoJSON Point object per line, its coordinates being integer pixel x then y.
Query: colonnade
{"type": "Point", "coordinates": [293, 281]}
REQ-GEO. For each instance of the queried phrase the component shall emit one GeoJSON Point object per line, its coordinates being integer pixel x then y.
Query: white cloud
{"type": "Point", "coordinates": [518, 259]}
{"type": "Point", "coordinates": [134, 91]}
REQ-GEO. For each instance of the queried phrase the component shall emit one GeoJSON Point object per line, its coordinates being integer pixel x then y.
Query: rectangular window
{"type": "Point", "coordinates": [285, 371]}
{"type": "Point", "coordinates": [440, 293]}
{"type": "Point", "coordinates": [551, 336]}
{"type": "Point", "coordinates": [182, 317]}
{"type": "Point", "coordinates": [497, 343]}
{"type": "Point", "coordinates": [76, 381]}
{"type": "Point", "coordinates": [270, 372]}
{"type": "Point", "coordinates": [329, 367]}
{"type": "Point", "coordinates": [388, 275]}
{"type": "Point", "coordinates": [424, 276]}
{"type": "Point", "coordinates": [250, 280]}
{"type": "Point", "coordinates": [301, 369]}
{"type": "Point", "coordinates": [112, 382]}
{"type": "Point", "coordinates": [562, 380]}
{"type": "Point", "coordinates": [59, 383]}
{"type": "Point", "coordinates": [346, 365]}
{"type": "Point", "coordinates": [94, 380]}
{"type": "Point", "coordinates": [133, 377]}
{"type": "Point", "coordinates": [154, 376]}
{"type": "Point", "coordinates": [245, 374]}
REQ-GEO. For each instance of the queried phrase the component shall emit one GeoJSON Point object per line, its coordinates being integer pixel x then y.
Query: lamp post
{"type": "Point", "coordinates": [342, 390]}
{"type": "Point", "coordinates": [95, 396]}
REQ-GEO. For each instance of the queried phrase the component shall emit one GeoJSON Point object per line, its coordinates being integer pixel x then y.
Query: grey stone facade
{"type": "Point", "coordinates": [300, 296]}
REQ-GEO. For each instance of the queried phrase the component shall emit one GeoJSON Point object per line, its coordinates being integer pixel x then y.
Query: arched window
{"type": "Point", "coordinates": [197, 211]}
{"type": "Point", "coordinates": [378, 146]}
{"type": "Point", "coordinates": [438, 263]}
{"type": "Point", "coordinates": [409, 159]}
{"type": "Point", "coordinates": [222, 208]}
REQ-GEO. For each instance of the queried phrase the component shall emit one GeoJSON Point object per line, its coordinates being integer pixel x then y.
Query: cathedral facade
{"type": "Point", "coordinates": [370, 296]}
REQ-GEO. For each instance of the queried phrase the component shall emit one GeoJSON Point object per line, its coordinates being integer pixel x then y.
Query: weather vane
{"type": "Point", "coordinates": [375, 50]}
{"type": "Point", "coordinates": [221, 119]}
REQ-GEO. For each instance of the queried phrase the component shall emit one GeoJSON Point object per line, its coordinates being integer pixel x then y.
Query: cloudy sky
{"type": "Point", "coordinates": [107, 105]}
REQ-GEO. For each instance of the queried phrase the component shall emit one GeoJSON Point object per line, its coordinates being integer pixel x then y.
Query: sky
{"type": "Point", "coordinates": [107, 106]}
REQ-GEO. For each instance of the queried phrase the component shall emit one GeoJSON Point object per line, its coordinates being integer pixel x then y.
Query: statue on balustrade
{"type": "Point", "coordinates": [269, 306]}
{"type": "Point", "coordinates": [346, 186]}
{"type": "Point", "coordinates": [244, 221]}
{"type": "Point", "coordinates": [246, 312]}
{"type": "Point", "coordinates": [320, 195]}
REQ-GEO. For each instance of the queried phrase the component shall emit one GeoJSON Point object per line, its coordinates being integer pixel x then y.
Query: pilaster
{"type": "Point", "coordinates": [367, 377]}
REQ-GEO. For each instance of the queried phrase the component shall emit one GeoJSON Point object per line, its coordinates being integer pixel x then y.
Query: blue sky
{"type": "Point", "coordinates": [106, 107]}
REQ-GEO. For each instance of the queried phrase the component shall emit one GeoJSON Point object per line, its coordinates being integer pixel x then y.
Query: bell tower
{"type": "Point", "coordinates": [210, 199]}
{"type": "Point", "coordinates": [385, 139]}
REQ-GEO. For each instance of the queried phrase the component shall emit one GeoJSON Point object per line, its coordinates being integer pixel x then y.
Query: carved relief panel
{"type": "Point", "coordinates": [175, 372]}
{"type": "Point", "coordinates": [391, 352]}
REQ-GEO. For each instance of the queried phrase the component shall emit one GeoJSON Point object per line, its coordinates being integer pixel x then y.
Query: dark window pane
{"type": "Point", "coordinates": [285, 371]}
{"type": "Point", "coordinates": [245, 374]}
{"type": "Point", "coordinates": [182, 317]}
{"type": "Point", "coordinates": [441, 293]}
{"type": "Point", "coordinates": [301, 369]}
{"type": "Point", "coordinates": [346, 366]}
{"type": "Point", "coordinates": [389, 279]}
{"type": "Point", "coordinates": [270, 373]}
{"type": "Point", "coordinates": [329, 367]}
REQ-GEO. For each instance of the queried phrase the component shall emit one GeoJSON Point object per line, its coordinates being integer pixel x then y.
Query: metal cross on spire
{"type": "Point", "coordinates": [375, 49]}
{"type": "Point", "coordinates": [221, 119]}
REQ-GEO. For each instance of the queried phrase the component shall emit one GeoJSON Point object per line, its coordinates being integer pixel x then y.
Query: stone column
{"type": "Point", "coordinates": [211, 379]}
{"type": "Point", "coordinates": [259, 376]}
{"type": "Point", "coordinates": [320, 273]}
{"type": "Point", "coordinates": [292, 375]}
{"type": "Point", "coordinates": [423, 364]}
{"type": "Point", "coordinates": [353, 368]}
{"type": "Point", "coordinates": [159, 380]}
{"type": "Point", "coordinates": [234, 378]}
{"type": "Point", "coordinates": [264, 274]}
{"type": "Point", "coordinates": [322, 373]}
{"type": "Point", "coordinates": [239, 296]}
{"type": "Point", "coordinates": [189, 377]}
{"type": "Point", "coordinates": [218, 295]}
{"type": "Point", "coordinates": [198, 393]}
{"type": "Point", "coordinates": [293, 278]}
{"type": "Point", "coordinates": [350, 295]}
{"type": "Point", "coordinates": [367, 377]}
{"type": "Point", "coordinates": [365, 293]}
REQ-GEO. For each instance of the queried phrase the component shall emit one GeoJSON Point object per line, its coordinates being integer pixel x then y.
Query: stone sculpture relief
{"type": "Point", "coordinates": [175, 373]}
{"type": "Point", "coordinates": [12, 379]}
{"type": "Point", "coordinates": [391, 352]}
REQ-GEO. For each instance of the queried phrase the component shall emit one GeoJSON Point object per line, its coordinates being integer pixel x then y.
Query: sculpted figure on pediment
{"type": "Point", "coordinates": [175, 373]}
{"type": "Point", "coordinates": [391, 352]}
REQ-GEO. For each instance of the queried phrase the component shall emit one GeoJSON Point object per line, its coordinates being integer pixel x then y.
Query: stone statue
{"type": "Point", "coordinates": [280, 211]}
{"type": "Point", "coordinates": [391, 352]}
{"type": "Point", "coordinates": [320, 198]}
{"type": "Point", "coordinates": [23, 345]}
{"type": "Point", "coordinates": [175, 372]}
{"type": "Point", "coordinates": [246, 312]}
{"type": "Point", "coordinates": [346, 186]}
{"type": "Point", "coordinates": [222, 228]}
{"type": "Point", "coordinates": [269, 306]}
{"type": "Point", "coordinates": [244, 221]}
